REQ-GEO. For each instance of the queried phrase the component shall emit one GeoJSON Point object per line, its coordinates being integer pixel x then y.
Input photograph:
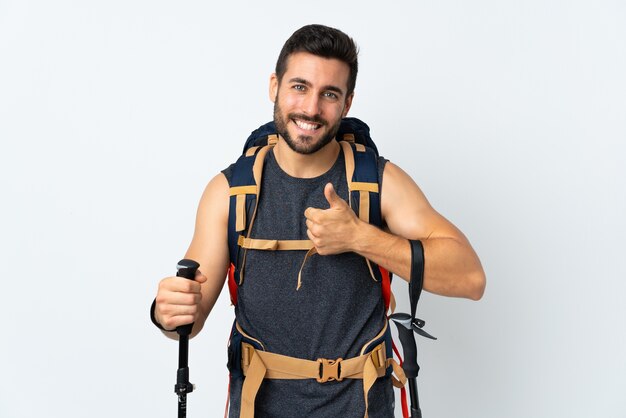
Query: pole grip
{"type": "Point", "coordinates": [186, 268]}
{"type": "Point", "coordinates": [411, 369]}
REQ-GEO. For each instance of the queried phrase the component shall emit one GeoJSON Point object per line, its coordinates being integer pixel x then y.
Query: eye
{"type": "Point", "coordinates": [331, 95]}
{"type": "Point", "coordinates": [299, 87]}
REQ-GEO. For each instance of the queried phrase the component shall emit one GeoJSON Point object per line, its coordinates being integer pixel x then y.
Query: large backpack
{"type": "Point", "coordinates": [362, 175]}
{"type": "Point", "coordinates": [361, 157]}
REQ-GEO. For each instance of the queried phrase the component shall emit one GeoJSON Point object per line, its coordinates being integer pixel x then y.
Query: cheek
{"type": "Point", "coordinates": [288, 101]}
{"type": "Point", "coordinates": [337, 112]}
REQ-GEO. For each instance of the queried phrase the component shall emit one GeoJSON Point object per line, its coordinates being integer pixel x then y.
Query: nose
{"type": "Point", "coordinates": [311, 105]}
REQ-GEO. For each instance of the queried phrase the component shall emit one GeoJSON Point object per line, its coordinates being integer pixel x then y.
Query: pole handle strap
{"type": "Point", "coordinates": [416, 283]}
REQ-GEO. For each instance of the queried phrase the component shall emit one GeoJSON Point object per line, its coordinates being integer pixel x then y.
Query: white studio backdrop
{"type": "Point", "coordinates": [511, 116]}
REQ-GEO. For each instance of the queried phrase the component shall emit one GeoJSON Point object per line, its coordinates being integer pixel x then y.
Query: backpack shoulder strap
{"type": "Point", "coordinates": [245, 187]}
{"type": "Point", "coordinates": [363, 182]}
{"type": "Point", "coordinates": [364, 198]}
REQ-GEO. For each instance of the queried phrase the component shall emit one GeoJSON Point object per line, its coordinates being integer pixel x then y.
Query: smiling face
{"type": "Point", "coordinates": [310, 100]}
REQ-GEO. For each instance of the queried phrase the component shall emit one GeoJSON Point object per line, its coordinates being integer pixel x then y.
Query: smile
{"type": "Point", "coordinates": [307, 126]}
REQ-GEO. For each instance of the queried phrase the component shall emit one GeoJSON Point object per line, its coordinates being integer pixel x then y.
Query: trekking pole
{"type": "Point", "coordinates": [187, 269]}
{"type": "Point", "coordinates": [411, 368]}
{"type": "Point", "coordinates": [409, 324]}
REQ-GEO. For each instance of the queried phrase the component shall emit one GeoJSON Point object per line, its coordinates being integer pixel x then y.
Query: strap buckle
{"type": "Point", "coordinates": [247, 352]}
{"type": "Point", "coordinates": [378, 356]}
{"type": "Point", "coordinates": [329, 370]}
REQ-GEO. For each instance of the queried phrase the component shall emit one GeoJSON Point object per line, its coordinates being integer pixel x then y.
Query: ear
{"type": "Point", "coordinates": [346, 107]}
{"type": "Point", "coordinates": [273, 87]}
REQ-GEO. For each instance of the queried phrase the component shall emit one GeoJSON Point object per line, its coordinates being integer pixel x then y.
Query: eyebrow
{"type": "Point", "coordinates": [308, 84]}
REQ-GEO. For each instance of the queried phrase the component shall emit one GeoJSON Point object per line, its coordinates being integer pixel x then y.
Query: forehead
{"type": "Point", "coordinates": [319, 71]}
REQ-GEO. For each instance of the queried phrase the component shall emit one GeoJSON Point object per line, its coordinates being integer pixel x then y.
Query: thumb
{"type": "Point", "coordinates": [200, 278]}
{"type": "Point", "coordinates": [332, 197]}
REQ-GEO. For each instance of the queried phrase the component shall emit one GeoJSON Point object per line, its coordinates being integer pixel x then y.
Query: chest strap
{"type": "Point", "coordinates": [274, 244]}
{"type": "Point", "coordinates": [258, 365]}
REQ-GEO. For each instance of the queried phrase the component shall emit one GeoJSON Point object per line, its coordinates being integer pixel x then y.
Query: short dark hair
{"type": "Point", "coordinates": [322, 41]}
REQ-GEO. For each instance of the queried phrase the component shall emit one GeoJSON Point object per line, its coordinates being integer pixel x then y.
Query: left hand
{"type": "Point", "coordinates": [332, 230]}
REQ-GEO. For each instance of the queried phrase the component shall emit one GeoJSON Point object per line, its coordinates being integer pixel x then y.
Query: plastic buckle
{"type": "Point", "coordinates": [378, 356]}
{"type": "Point", "coordinates": [329, 370]}
{"type": "Point", "coordinates": [247, 351]}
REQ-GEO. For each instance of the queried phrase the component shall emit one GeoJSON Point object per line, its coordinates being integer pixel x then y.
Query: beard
{"type": "Point", "coordinates": [303, 144]}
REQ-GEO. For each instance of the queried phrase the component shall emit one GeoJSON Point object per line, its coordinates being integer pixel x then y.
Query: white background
{"type": "Point", "coordinates": [511, 116]}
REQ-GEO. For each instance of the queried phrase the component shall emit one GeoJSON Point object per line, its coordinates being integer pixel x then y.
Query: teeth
{"type": "Point", "coordinates": [306, 126]}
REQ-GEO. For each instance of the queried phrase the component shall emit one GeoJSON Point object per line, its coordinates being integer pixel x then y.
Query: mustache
{"type": "Point", "coordinates": [314, 119]}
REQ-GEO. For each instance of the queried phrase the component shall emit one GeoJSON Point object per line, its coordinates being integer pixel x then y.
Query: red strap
{"type": "Point", "coordinates": [227, 398]}
{"type": "Point", "coordinates": [403, 399]}
{"type": "Point", "coordinates": [232, 284]}
{"type": "Point", "coordinates": [405, 403]}
{"type": "Point", "coordinates": [386, 287]}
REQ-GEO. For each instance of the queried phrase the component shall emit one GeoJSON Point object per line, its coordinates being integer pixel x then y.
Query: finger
{"type": "Point", "coordinates": [171, 316]}
{"type": "Point", "coordinates": [173, 322]}
{"type": "Point", "coordinates": [180, 284]}
{"type": "Point", "coordinates": [311, 236]}
{"type": "Point", "coordinates": [312, 213]}
{"type": "Point", "coordinates": [178, 310]}
{"type": "Point", "coordinates": [332, 197]}
{"type": "Point", "coordinates": [178, 298]}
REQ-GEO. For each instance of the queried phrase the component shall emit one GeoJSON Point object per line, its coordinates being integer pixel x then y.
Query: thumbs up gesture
{"type": "Point", "coordinates": [332, 230]}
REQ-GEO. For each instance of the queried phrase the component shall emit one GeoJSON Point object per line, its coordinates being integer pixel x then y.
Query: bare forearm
{"type": "Point", "coordinates": [385, 249]}
{"type": "Point", "coordinates": [451, 266]}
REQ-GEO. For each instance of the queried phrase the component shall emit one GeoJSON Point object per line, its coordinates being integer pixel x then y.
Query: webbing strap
{"type": "Point", "coordinates": [251, 386]}
{"type": "Point", "coordinates": [258, 365]}
{"type": "Point", "coordinates": [257, 171]}
{"type": "Point", "coordinates": [363, 188]}
{"type": "Point", "coordinates": [238, 190]}
{"type": "Point", "coordinates": [399, 380]}
{"type": "Point", "coordinates": [392, 303]}
{"type": "Point", "coordinates": [279, 366]}
{"type": "Point", "coordinates": [366, 187]}
{"type": "Point", "coordinates": [272, 139]}
{"type": "Point", "coordinates": [364, 206]}
{"type": "Point", "coordinates": [250, 152]}
{"type": "Point", "coordinates": [242, 332]}
{"type": "Point", "coordinates": [280, 245]}
{"type": "Point", "coordinates": [349, 158]}
{"type": "Point", "coordinates": [257, 168]}
{"type": "Point", "coordinates": [369, 377]}
{"type": "Point", "coordinates": [274, 244]}
{"type": "Point", "coordinates": [240, 213]}
{"type": "Point", "coordinates": [309, 253]}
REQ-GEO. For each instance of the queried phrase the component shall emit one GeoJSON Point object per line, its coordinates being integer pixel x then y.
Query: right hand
{"type": "Point", "coordinates": [178, 301]}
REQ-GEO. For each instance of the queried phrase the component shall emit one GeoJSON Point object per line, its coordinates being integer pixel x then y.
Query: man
{"type": "Point", "coordinates": [336, 308]}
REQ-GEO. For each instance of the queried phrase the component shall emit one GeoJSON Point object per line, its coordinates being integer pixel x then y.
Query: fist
{"type": "Point", "coordinates": [178, 301]}
{"type": "Point", "coordinates": [332, 230]}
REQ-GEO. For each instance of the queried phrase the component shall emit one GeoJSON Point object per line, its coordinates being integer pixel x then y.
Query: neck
{"type": "Point", "coordinates": [305, 165]}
